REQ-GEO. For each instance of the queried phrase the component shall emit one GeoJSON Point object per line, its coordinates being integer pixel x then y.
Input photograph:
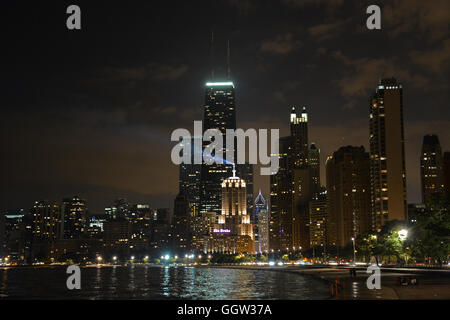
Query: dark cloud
{"type": "Point", "coordinates": [91, 112]}
{"type": "Point", "coordinates": [281, 44]}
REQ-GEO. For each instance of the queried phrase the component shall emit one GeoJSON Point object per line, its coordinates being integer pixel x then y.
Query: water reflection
{"type": "Point", "coordinates": [148, 282]}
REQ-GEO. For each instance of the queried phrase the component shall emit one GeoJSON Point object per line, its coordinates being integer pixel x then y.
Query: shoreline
{"type": "Point", "coordinates": [430, 286]}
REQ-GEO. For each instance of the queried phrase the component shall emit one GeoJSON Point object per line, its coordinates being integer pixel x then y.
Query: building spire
{"type": "Point", "coordinates": [234, 171]}
{"type": "Point", "coordinates": [228, 60]}
{"type": "Point", "coordinates": [211, 47]}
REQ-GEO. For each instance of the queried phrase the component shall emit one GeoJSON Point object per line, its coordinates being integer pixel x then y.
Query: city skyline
{"type": "Point", "coordinates": [99, 132]}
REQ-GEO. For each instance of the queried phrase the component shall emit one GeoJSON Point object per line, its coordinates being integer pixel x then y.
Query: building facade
{"type": "Point", "coordinates": [262, 219]}
{"type": "Point", "coordinates": [348, 193]}
{"type": "Point", "coordinates": [387, 154]}
{"type": "Point", "coordinates": [219, 113]}
{"type": "Point", "coordinates": [432, 170]}
{"type": "Point", "coordinates": [233, 232]}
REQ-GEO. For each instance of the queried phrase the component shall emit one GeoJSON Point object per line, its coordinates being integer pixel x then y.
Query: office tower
{"type": "Point", "coordinates": [318, 215]}
{"type": "Point", "coordinates": [302, 193]}
{"type": "Point", "coordinates": [262, 219]}
{"type": "Point", "coordinates": [233, 232]}
{"type": "Point", "coordinates": [387, 154]}
{"type": "Point", "coordinates": [447, 175]}
{"type": "Point", "coordinates": [314, 164]}
{"type": "Point", "coordinates": [119, 210]}
{"type": "Point", "coordinates": [302, 180]}
{"type": "Point", "coordinates": [245, 172]}
{"type": "Point", "coordinates": [117, 236]}
{"type": "Point", "coordinates": [74, 220]}
{"type": "Point", "coordinates": [95, 227]}
{"type": "Point", "coordinates": [201, 229]}
{"type": "Point", "coordinates": [280, 225]}
{"type": "Point", "coordinates": [348, 192]}
{"type": "Point", "coordinates": [219, 113]}
{"type": "Point", "coordinates": [299, 132]}
{"type": "Point", "coordinates": [161, 229]}
{"type": "Point", "coordinates": [12, 232]}
{"type": "Point", "coordinates": [140, 219]}
{"type": "Point", "coordinates": [181, 219]}
{"type": "Point", "coordinates": [189, 180]}
{"type": "Point", "coordinates": [46, 217]}
{"type": "Point", "coordinates": [431, 170]}
{"type": "Point", "coordinates": [292, 188]}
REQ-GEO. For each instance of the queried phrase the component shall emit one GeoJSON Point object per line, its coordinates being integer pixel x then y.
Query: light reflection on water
{"type": "Point", "coordinates": [149, 282]}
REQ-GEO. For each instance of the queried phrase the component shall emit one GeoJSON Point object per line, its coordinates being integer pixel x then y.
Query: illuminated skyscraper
{"type": "Point", "coordinates": [318, 215]}
{"type": "Point", "coordinates": [299, 132]}
{"type": "Point", "coordinates": [233, 232]}
{"type": "Point", "coordinates": [348, 193]}
{"type": "Point", "coordinates": [431, 169]}
{"type": "Point", "coordinates": [73, 217]}
{"type": "Point", "coordinates": [292, 188]}
{"type": "Point", "coordinates": [387, 154]}
{"type": "Point", "coordinates": [262, 220]}
{"type": "Point", "coordinates": [219, 113]}
{"type": "Point", "coordinates": [280, 224]}
{"type": "Point", "coordinates": [46, 217]}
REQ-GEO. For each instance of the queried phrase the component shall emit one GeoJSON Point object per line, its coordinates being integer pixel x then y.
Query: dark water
{"type": "Point", "coordinates": [150, 282]}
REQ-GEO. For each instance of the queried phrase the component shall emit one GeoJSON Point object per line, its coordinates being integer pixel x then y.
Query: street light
{"type": "Point", "coordinates": [403, 234]}
{"type": "Point", "coordinates": [354, 251]}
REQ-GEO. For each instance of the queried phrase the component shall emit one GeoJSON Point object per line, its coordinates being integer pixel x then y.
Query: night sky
{"type": "Point", "coordinates": [90, 112]}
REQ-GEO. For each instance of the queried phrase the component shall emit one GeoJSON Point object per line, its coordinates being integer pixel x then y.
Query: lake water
{"type": "Point", "coordinates": [154, 282]}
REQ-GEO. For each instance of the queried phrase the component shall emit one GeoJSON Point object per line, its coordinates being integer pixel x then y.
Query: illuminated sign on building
{"type": "Point", "coordinates": [221, 230]}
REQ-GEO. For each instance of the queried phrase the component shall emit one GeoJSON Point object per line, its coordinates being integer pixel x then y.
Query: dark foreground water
{"type": "Point", "coordinates": [150, 282]}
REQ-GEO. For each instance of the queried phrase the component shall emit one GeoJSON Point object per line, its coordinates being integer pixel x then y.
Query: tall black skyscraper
{"type": "Point", "coordinates": [299, 132]}
{"type": "Point", "coordinates": [291, 188]}
{"type": "Point", "coordinates": [219, 113]}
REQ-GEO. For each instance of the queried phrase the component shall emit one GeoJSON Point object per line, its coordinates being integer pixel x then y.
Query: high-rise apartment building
{"type": "Point", "coordinates": [387, 154]}
{"type": "Point", "coordinates": [431, 170]}
{"type": "Point", "coordinates": [46, 217]}
{"type": "Point", "coordinates": [348, 193]}
{"type": "Point", "coordinates": [318, 215]}
{"type": "Point", "coordinates": [74, 219]}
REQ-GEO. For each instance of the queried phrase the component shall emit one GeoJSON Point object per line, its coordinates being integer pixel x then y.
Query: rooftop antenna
{"type": "Point", "coordinates": [211, 46]}
{"type": "Point", "coordinates": [228, 60]}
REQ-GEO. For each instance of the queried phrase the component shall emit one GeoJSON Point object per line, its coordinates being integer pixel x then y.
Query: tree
{"type": "Point", "coordinates": [430, 234]}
